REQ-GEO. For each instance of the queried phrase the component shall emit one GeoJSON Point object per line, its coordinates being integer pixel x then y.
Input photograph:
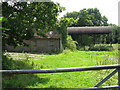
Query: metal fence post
{"type": "Point", "coordinates": [119, 77]}
{"type": "Point", "coordinates": [119, 70]}
{"type": "Point", "coordinates": [119, 63]}
{"type": "Point", "coordinates": [119, 45]}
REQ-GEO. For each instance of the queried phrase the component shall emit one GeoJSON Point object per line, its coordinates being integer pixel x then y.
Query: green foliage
{"type": "Point", "coordinates": [115, 36]}
{"type": "Point", "coordinates": [61, 27]}
{"type": "Point", "coordinates": [88, 17]}
{"type": "Point", "coordinates": [69, 21]}
{"type": "Point", "coordinates": [87, 40]}
{"type": "Point", "coordinates": [83, 41]}
{"type": "Point", "coordinates": [8, 63]}
{"type": "Point", "coordinates": [66, 51]}
{"type": "Point", "coordinates": [85, 18]}
{"type": "Point", "coordinates": [3, 19]}
{"type": "Point", "coordinates": [71, 44]}
{"type": "Point", "coordinates": [104, 21]}
{"type": "Point", "coordinates": [101, 48]}
{"type": "Point", "coordinates": [118, 35]}
{"type": "Point", "coordinates": [22, 17]}
{"type": "Point", "coordinates": [74, 15]}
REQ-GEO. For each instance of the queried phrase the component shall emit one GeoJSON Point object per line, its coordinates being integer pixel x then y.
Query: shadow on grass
{"type": "Point", "coordinates": [19, 80]}
{"type": "Point", "coordinates": [8, 63]}
{"type": "Point", "coordinates": [22, 81]}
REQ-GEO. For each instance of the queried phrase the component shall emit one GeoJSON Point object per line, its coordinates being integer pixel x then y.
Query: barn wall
{"type": "Point", "coordinates": [39, 45]}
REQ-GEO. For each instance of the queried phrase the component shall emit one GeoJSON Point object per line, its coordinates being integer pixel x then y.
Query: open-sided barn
{"type": "Point", "coordinates": [80, 34]}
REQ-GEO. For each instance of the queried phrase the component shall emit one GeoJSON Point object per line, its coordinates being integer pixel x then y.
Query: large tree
{"type": "Point", "coordinates": [88, 17]}
{"type": "Point", "coordinates": [19, 19]}
{"type": "Point", "coordinates": [74, 15]}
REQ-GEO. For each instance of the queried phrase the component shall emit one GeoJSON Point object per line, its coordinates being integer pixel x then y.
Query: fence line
{"type": "Point", "coordinates": [58, 70]}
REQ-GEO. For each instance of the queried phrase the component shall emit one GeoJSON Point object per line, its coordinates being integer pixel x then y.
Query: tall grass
{"type": "Point", "coordinates": [64, 60]}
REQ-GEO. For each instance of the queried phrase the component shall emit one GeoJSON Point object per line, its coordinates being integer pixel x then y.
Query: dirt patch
{"type": "Point", "coordinates": [24, 55]}
{"type": "Point", "coordinates": [39, 58]}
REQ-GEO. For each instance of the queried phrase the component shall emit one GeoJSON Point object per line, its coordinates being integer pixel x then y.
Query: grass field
{"type": "Point", "coordinates": [64, 60]}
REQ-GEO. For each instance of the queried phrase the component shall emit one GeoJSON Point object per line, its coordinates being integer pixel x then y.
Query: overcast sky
{"type": "Point", "coordinates": [109, 8]}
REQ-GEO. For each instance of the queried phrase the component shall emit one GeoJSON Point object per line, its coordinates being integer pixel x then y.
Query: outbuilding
{"type": "Point", "coordinates": [91, 30]}
{"type": "Point", "coordinates": [50, 44]}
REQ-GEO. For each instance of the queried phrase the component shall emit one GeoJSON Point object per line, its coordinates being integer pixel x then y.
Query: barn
{"type": "Point", "coordinates": [94, 31]}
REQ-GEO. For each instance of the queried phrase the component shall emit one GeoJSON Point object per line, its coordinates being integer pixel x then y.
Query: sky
{"type": "Point", "coordinates": [108, 8]}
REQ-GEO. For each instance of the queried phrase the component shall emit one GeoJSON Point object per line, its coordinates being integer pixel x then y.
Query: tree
{"type": "Point", "coordinates": [74, 15]}
{"type": "Point", "coordinates": [88, 17]}
{"type": "Point", "coordinates": [62, 29]}
{"type": "Point", "coordinates": [22, 18]}
{"type": "Point", "coordinates": [104, 21]}
{"type": "Point", "coordinates": [85, 19]}
{"type": "Point", "coordinates": [91, 17]}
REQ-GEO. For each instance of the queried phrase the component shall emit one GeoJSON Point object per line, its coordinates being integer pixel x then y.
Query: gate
{"type": "Point", "coordinates": [59, 70]}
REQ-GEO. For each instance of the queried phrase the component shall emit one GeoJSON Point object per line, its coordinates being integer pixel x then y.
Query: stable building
{"type": "Point", "coordinates": [50, 44]}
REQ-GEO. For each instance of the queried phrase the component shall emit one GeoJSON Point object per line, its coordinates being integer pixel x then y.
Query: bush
{"type": "Point", "coordinates": [66, 51]}
{"type": "Point", "coordinates": [101, 48]}
{"type": "Point", "coordinates": [71, 44]}
{"type": "Point", "coordinates": [8, 63]}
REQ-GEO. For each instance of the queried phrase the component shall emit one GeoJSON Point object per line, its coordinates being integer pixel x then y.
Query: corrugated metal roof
{"type": "Point", "coordinates": [90, 30]}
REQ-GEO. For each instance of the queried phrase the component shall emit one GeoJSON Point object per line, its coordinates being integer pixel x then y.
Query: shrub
{"type": "Point", "coordinates": [71, 44]}
{"type": "Point", "coordinates": [101, 48]}
{"type": "Point", "coordinates": [66, 51]}
{"type": "Point", "coordinates": [8, 63]}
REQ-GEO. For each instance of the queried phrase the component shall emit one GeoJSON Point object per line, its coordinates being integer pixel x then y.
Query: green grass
{"type": "Point", "coordinates": [64, 60]}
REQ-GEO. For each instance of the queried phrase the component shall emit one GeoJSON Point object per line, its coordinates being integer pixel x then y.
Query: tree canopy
{"type": "Point", "coordinates": [21, 18]}
{"type": "Point", "coordinates": [87, 17]}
